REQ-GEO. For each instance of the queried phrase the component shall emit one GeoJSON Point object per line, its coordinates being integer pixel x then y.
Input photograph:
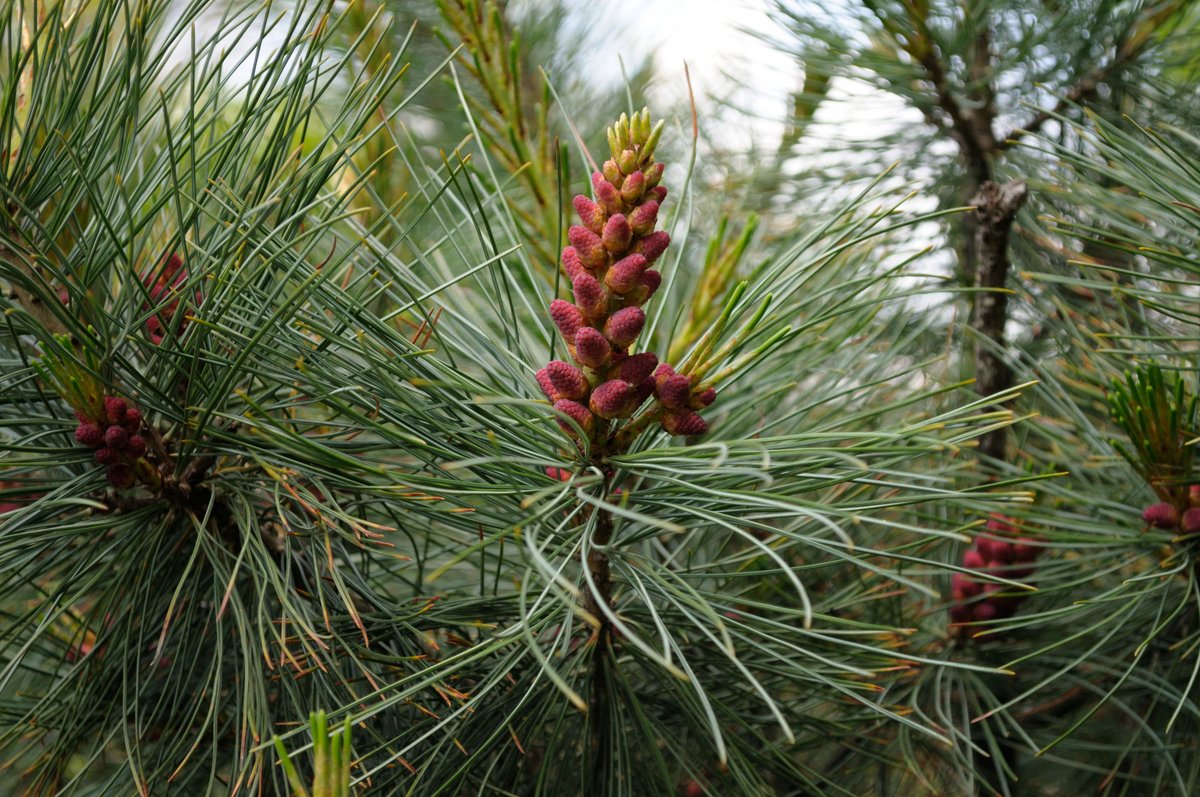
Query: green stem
{"type": "Point", "coordinates": [599, 704]}
{"type": "Point", "coordinates": [601, 596]}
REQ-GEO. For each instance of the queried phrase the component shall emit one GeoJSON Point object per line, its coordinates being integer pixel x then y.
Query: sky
{"type": "Point", "coordinates": [724, 44]}
{"type": "Point", "coordinates": [715, 38]}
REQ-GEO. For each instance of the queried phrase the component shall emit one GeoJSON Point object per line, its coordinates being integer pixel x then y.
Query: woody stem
{"type": "Point", "coordinates": [597, 601]}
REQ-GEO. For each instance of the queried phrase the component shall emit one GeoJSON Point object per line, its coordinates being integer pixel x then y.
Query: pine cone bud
{"type": "Point", "coordinates": [120, 476]}
{"type": "Point", "coordinates": [989, 548]}
{"type": "Point", "coordinates": [1190, 524]}
{"type": "Point", "coordinates": [89, 434]}
{"type": "Point", "coordinates": [566, 317]}
{"type": "Point", "coordinates": [572, 265]}
{"type": "Point", "coordinates": [674, 391]}
{"type": "Point", "coordinates": [165, 292]}
{"type": "Point", "coordinates": [106, 456]}
{"type": "Point", "coordinates": [637, 369]}
{"type": "Point", "coordinates": [567, 380]}
{"type": "Point", "coordinates": [174, 264]}
{"type": "Point", "coordinates": [617, 234]}
{"type": "Point", "coordinates": [627, 162]}
{"type": "Point", "coordinates": [136, 446]}
{"type": "Point", "coordinates": [641, 391]}
{"type": "Point", "coordinates": [115, 436]}
{"type": "Point", "coordinates": [13, 504]}
{"type": "Point", "coordinates": [633, 187]}
{"type": "Point", "coordinates": [543, 380]}
{"type": "Point", "coordinates": [650, 281]}
{"type": "Point", "coordinates": [1000, 524]}
{"type": "Point", "coordinates": [559, 474]}
{"type": "Point", "coordinates": [973, 560]}
{"type": "Point", "coordinates": [590, 214]}
{"type": "Point", "coordinates": [644, 217]}
{"type": "Point", "coordinates": [623, 326]}
{"type": "Point", "coordinates": [626, 273]}
{"type": "Point", "coordinates": [1003, 552]}
{"type": "Point", "coordinates": [1194, 495]}
{"type": "Point", "coordinates": [663, 372]}
{"type": "Point", "coordinates": [611, 399]}
{"type": "Point", "coordinates": [700, 400]}
{"type": "Point", "coordinates": [114, 409]}
{"type": "Point", "coordinates": [684, 422]}
{"type": "Point", "coordinates": [658, 193]}
{"type": "Point", "coordinates": [133, 420]}
{"type": "Point", "coordinates": [985, 611]}
{"type": "Point", "coordinates": [576, 412]}
{"type": "Point", "coordinates": [654, 174]}
{"type": "Point", "coordinates": [592, 349]}
{"type": "Point", "coordinates": [608, 196]}
{"type": "Point", "coordinates": [652, 135]}
{"type": "Point", "coordinates": [1162, 516]}
{"type": "Point", "coordinates": [963, 586]}
{"type": "Point", "coordinates": [155, 329]}
{"type": "Point", "coordinates": [589, 296]}
{"type": "Point", "coordinates": [589, 247]}
{"type": "Point", "coordinates": [612, 173]}
{"type": "Point", "coordinates": [1025, 551]}
{"type": "Point", "coordinates": [653, 245]}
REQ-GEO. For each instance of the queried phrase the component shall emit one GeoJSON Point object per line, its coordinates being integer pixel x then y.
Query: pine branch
{"type": "Point", "coordinates": [516, 127]}
{"type": "Point", "coordinates": [996, 208]}
{"type": "Point", "coordinates": [971, 130]}
{"type": "Point", "coordinates": [599, 702]}
{"type": "Point", "coordinates": [1131, 45]}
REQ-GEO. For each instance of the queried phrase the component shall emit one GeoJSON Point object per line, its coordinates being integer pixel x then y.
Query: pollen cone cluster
{"type": "Point", "coordinates": [112, 430]}
{"type": "Point", "coordinates": [166, 291]}
{"type": "Point", "coordinates": [1002, 554]}
{"type": "Point", "coordinates": [1169, 517]}
{"type": "Point", "coordinates": [8, 506]}
{"type": "Point", "coordinates": [610, 266]}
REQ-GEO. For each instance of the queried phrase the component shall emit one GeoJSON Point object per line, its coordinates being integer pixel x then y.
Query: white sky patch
{"type": "Point", "coordinates": [743, 84]}
{"type": "Point", "coordinates": [728, 63]}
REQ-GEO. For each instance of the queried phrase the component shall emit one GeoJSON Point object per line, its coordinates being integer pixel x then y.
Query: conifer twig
{"type": "Point", "coordinates": [996, 207]}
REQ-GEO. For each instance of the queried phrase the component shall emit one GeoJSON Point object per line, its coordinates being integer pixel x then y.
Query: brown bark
{"type": "Point", "coordinates": [971, 130]}
{"type": "Point", "coordinates": [996, 207]}
{"type": "Point", "coordinates": [599, 702]}
{"type": "Point", "coordinates": [969, 126]}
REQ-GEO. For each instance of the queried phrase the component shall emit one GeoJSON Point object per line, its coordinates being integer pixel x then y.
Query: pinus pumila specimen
{"type": "Point", "coordinates": [609, 266]}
